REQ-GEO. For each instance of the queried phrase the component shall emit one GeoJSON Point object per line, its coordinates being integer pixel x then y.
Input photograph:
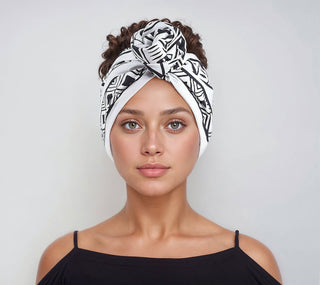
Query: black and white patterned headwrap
{"type": "Point", "coordinates": [158, 50]}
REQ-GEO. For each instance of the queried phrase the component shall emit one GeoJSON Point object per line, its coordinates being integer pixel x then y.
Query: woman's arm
{"type": "Point", "coordinates": [53, 254]}
{"type": "Point", "coordinates": [260, 254]}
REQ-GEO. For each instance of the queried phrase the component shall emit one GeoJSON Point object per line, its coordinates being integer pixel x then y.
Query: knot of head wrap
{"type": "Point", "coordinates": [160, 46]}
{"type": "Point", "coordinates": [158, 50]}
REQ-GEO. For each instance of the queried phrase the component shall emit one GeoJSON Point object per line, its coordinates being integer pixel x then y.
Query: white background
{"type": "Point", "coordinates": [260, 174]}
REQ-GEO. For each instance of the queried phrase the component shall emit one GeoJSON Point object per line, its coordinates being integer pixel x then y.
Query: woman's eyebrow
{"type": "Point", "coordinates": [162, 113]}
{"type": "Point", "coordinates": [174, 111]}
{"type": "Point", "coordinates": [132, 111]}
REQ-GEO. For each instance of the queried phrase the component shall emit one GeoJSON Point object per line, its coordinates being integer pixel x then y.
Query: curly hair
{"type": "Point", "coordinates": [118, 43]}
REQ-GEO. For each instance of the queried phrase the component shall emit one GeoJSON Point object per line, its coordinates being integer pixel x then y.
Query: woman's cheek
{"type": "Point", "coordinates": [187, 147]}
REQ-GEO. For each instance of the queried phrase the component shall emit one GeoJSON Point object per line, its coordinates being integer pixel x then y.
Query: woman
{"type": "Point", "coordinates": [156, 117]}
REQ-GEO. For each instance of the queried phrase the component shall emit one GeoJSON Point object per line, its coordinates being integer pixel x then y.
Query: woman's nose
{"type": "Point", "coordinates": [152, 142]}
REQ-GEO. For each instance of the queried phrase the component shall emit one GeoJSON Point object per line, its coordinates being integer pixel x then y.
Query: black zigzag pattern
{"type": "Point", "coordinates": [113, 91]}
{"type": "Point", "coordinates": [160, 48]}
{"type": "Point", "coordinates": [194, 82]}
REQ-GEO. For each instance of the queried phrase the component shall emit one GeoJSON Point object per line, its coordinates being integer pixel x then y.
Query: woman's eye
{"type": "Point", "coordinates": [131, 125]}
{"type": "Point", "coordinates": [175, 125]}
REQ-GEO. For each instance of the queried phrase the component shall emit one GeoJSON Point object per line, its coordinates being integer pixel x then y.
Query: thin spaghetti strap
{"type": "Point", "coordinates": [75, 239]}
{"type": "Point", "coordinates": [236, 239]}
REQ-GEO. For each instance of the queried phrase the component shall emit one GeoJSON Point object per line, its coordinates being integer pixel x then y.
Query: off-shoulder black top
{"type": "Point", "coordinates": [228, 267]}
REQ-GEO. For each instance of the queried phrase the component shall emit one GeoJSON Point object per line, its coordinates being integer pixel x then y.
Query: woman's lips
{"type": "Point", "coordinates": [153, 170]}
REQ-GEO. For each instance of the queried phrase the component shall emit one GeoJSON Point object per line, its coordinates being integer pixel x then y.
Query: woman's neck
{"type": "Point", "coordinates": [157, 217]}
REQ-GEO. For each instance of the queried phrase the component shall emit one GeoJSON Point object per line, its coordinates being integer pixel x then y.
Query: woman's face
{"type": "Point", "coordinates": [155, 140]}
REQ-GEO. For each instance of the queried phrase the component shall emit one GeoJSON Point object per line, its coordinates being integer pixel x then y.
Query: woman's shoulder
{"type": "Point", "coordinates": [261, 254]}
{"type": "Point", "coordinates": [53, 254]}
{"type": "Point", "coordinates": [255, 249]}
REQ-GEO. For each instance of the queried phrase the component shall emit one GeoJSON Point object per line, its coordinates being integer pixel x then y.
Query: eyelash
{"type": "Point", "coordinates": [180, 127]}
{"type": "Point", "coordinates": [126, 127]}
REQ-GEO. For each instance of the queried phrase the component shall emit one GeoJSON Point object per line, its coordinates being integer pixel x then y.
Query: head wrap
{"type": "Point", "coordinates": [158, 50]}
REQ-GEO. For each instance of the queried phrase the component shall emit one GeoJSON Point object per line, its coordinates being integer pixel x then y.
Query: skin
{"type": "Point", "coordinates": [157, 220]}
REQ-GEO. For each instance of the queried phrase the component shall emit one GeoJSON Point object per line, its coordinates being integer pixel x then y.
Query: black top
{"type": "Point", "coordinates": [86, 267]}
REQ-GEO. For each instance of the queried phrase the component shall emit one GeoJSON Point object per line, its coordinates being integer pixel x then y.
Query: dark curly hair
{"type": "Point", "coordinates": [118, 43]}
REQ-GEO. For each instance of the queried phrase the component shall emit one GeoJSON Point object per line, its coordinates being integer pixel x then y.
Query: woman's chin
{"type": "Point", "coordinates": [153, 188]}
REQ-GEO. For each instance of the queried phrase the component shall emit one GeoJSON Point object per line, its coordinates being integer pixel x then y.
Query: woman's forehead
{"type": "Point", "coordinates": [157, 95]}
